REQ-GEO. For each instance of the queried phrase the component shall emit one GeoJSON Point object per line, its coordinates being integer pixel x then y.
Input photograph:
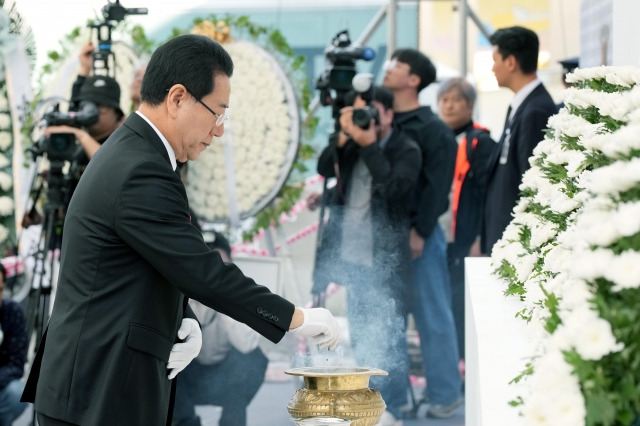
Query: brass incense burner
{"type": "Point", "coordinates": [336, 393]}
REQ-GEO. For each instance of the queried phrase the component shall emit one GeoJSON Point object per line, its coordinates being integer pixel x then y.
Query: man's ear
{"type": "Point", "coordinates": [414, 80]}
{"type": "Point", "coordinates": [511, 63]}
{"type": "Point", "coordinates": [177, 94]}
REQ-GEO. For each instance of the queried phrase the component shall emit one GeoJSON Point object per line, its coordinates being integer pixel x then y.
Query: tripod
{"type": "Point", "coordinates": [38, 304]}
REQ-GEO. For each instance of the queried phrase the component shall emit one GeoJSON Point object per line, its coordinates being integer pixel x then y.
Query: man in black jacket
{"type": "Point", "coordinates": [515, 61]}
{"type": "Point", "coordinates": [456, 99]}
{"type": "Point", "coordinates": [407, 73]}
{"type": "Point", "coordinates": [120, 329]}
{"type": "Point", "coordinates": [376, 171]}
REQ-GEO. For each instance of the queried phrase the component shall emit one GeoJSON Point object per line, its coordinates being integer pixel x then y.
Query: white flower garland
{"type": "Point", "coordinates": [569, 232]}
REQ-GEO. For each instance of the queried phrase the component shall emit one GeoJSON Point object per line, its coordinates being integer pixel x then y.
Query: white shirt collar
{"type": "Point", "coordinates": [522, 95]}
{"type": "Point", "coordinates": [172, 155]}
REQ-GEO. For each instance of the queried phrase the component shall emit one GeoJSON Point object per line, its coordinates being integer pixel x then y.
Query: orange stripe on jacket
{"type": "Point", "coordinates": [462, 167]}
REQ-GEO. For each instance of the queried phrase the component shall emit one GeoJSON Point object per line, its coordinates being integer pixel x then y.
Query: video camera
{"type": "Point", "coordinates": [340, 69]}
{"type": "Point", "coordinates": [63, 146]}
{"type": "Point", "coordinates": [113, 13]}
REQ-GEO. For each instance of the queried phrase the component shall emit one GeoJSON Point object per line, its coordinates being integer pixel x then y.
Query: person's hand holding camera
{"type": "Point", "coordinates": [83, 137]}
{"type": "Point", "coordinates": [363, 137]}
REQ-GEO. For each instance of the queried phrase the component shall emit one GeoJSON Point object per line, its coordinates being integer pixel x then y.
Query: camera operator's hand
{"type": "Point", "coordinates": [89, 144]}
{"type": "Point", "coordinates": [359, 135]}
{"type": "Point", "coordinates": [86, 60]}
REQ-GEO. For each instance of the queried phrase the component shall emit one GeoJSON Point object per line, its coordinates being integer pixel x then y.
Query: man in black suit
{"type": "Point", "coordinates": [515, 62]}
{"type": "Point", "coordinates": [131, 258]}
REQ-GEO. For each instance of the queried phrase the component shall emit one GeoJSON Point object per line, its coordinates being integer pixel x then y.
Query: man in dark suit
{"type": "Point", "coordinates": [131, 258]}
{"type": "Point", "coordinates": [515, 62]}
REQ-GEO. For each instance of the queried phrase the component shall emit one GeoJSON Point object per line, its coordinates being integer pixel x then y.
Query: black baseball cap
{"type": "Point", "coordinates": [101, 90]}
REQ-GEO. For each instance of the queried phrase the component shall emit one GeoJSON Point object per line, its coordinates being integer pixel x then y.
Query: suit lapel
{"type": "Point", "coordinates": [500, 146]}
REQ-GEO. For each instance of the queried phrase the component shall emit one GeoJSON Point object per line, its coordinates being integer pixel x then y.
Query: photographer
{"type": "Point", "coordinates": [376, 170]}
{"type": "Point", "coordinates": [103, 91]}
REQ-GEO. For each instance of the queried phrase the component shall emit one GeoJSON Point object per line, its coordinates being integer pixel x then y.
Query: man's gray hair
{"type": "Point", "coordinates": [464, 87]}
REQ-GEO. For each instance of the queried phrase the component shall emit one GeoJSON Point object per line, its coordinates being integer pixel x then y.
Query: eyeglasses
{"type": "Point", "coordinates": [389, 64]}
{"type": "Point", "coordinates": [220, 119]}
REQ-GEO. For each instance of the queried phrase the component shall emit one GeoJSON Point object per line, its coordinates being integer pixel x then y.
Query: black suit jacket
{"type": "Point", "coordinates": [510, 160]}
{"type": "Point", "coordinates": [129, 257]}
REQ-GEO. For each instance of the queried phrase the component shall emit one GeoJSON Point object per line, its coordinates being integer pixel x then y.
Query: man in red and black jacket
{"type": "Point", "coordinates": [456, 100]}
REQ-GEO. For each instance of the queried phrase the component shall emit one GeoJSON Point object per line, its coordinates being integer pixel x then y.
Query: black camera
{"type": "Point", "coordinates": [362, 116]}
{"type": "Point", "coordinates": [340, 69]}
{"type": "Point", "coordinates": [363, 84]}
{"type": "Point", "coordinates": [63, 146]}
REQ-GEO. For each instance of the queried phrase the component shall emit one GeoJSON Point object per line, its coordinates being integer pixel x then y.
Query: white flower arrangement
{"type": "Point", "coordinates": [572, 255]}
{"type": "Point", "coordinates": [7, 214]}
{"type": "Point", "coordinates": [263, 135]}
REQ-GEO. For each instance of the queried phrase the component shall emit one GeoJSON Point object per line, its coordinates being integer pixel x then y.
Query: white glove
{"type": "Point", "coordinates": [182, 353]}
{"type": "Point", "coordinates": [320, 325]}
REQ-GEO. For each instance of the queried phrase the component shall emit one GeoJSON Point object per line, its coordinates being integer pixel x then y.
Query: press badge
{"type": "Point", "coordinates": [504, 153]}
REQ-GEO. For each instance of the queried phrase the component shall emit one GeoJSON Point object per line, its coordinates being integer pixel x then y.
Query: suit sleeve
{"type": "Point", "coordinates": [152, 217]}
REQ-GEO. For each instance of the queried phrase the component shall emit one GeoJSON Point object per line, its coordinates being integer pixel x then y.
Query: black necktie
{"type": "Point", "coordinates": [507, 120]}
{"type": "Point", "coordinates": [505, 139]}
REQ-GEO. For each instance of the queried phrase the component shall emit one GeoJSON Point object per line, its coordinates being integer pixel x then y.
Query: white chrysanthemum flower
{"type": "Point", "coordinates": [555, 397]}
{"type": "Point", "coordinates": [524, 266]}
{"type": "Point", "coordinates": [4, 161]}
{"type": "Point", "coordinates": [575, 163]}
{"type": "Point", "coordinates": [6, 182]}
{"type": "Point", "coordinates": [542, 233]}
{"type": "Point", "coordinates": [591, 335]}
{"type": "Point", "coordinates": [627, 219]}
{"type": "Point", "coordinates": [622, 141]}
{"type": "Point", "coordinates": [597, 227]}
{"type": "Point", "coordinates": [4, 103]}
{"type": "Point", "coordinates": [627, 74]}
{"type": "Point", "coordinates": [624, 270]}
{"type": "Point", "coordinates": [5, 140]}
{"type": "Point", "coordinates": [532, 178]}
{"type": "Point", "coordinates": [5, 121]}
{"type": "Point", "coordinates": [591, 264]}
{"type": "Point", "coordinates": [557, 258]}
{"type": "Point", "coordinates": [574, 293]}
{"type": "Point", "coordinates": [6, 206]}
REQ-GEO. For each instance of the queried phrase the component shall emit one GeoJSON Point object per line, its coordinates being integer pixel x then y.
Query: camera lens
{"type": "Point", "coordinates": [362, 117]}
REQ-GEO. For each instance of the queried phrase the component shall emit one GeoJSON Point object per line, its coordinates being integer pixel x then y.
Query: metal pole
{"type": "Point", "coordinates": [463, 38]}
{"type": "Point", "coordinates": [477, 21]}
{"type": "Point", "coordinates": [391, 26]}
